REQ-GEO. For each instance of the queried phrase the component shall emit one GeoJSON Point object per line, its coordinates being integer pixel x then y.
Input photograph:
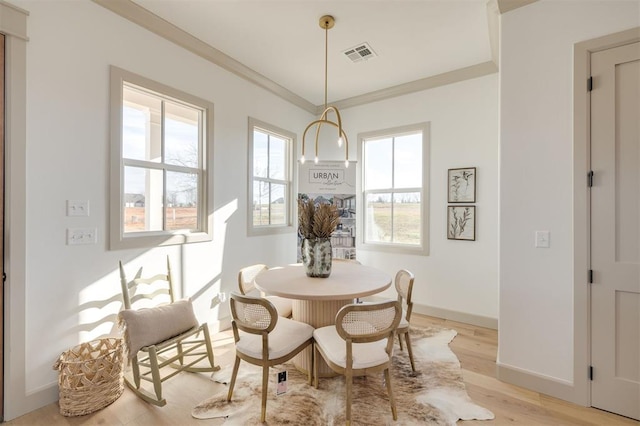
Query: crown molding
{"type": "Point", "coordinates": [144, 18]}
{"type": "Point", "coordinates": [493, 24]}
{"type": "Point", "coordinates": [508, 5]}
{"type": "Point", "coordinates": [455, 76]}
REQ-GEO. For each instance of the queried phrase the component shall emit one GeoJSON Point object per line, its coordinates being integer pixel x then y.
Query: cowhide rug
{"type": "Point", "coordinates": [435, 394]}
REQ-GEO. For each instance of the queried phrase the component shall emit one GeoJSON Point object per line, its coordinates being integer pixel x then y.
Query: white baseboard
{"type": "Point", "coordinates": [221, 324]}
{"type": "Point", "coordinates": [477, 320]}
{"type": "Point", "coordinates": [31, 401]}
{"type": "Point", "coordinates": [547, 385]}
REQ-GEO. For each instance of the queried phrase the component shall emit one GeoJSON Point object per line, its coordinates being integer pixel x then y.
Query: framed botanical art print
{"type": "Point", "coordinates": [461, 223]}
{"type": "Point", "coordinates": [462, 185]}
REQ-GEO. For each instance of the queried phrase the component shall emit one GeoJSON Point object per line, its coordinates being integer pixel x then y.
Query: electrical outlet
{"type": "Point", "coordinates": [77, 207]}
{"type": "Point", "coordinates": [76, 236]}
{"type": "Point", "coordinates": [542, 239]}
{"type": "Point", "coordinates": [218, 299]}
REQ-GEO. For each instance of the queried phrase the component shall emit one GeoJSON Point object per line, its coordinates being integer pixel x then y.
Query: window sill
{"type": "Point", "coordinates": [150, 239]}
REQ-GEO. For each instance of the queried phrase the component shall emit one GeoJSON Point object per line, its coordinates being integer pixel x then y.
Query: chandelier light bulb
{"type": "Point", "coordinates": [302, 159]}
{"type": "Point", "coordinates": [316, 160]}
{"type": "Point", "coordinates": [340, 141]}
{"type": "Point", "coordinates": [346, 163]}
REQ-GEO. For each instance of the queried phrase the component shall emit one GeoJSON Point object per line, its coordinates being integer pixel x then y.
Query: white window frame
{"type": "Point", "coordinates": [117, 237]}
{"type": "Point", "coordinates": [423, 248]}
{"type": "Point", "coordinates": [287, 227]}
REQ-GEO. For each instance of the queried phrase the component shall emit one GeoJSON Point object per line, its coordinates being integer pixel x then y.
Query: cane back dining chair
{"type": "Point", "coordinates": [404, 287]}
{"type": "Point", "coordinates": [246, 286]}
{"type": "Point", "coordinates": [160, 332]}
{"type": "Point", "coordinates": [264, 338]}
{"type": "Point", "coordinates": [360, 342]}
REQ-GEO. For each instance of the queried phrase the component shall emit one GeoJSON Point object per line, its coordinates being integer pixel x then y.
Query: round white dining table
{"type": "Point", "coordinates": [316, 301]}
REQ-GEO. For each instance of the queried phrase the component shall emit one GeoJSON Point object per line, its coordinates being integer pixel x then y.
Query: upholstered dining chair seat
{"type": "Point", "coordinates": [283, 339]}
{"type": "Point", "coordinates": [365, 355]}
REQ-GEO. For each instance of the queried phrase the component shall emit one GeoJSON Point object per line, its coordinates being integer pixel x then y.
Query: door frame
{"type": "Point", "coordinates": [582, 201]}
{"type": "Point", "coordinates": [2, 169]}
{"type": "Point", "coordinates": [17, 400]}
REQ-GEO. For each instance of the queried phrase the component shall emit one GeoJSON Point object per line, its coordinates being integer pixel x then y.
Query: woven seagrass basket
{"type": "Point", "coordinates": [90, 376]}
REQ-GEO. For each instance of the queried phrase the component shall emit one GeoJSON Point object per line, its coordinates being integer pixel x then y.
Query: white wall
{"type": "Point", "coordinates": [70, 294]}
{"type": "Point", "coordinates": [67, 294]}
{"type": "Point", "coordinates": [69, 291]}
{"type": "Point", "coordinates": [537, 328]}
{"type": "Point", "coordinates": [457, 278]}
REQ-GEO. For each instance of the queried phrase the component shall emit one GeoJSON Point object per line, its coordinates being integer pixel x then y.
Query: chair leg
{"type": "Point", "coordinates": [387, 379]}
{"type": "Point", "coordinates": [136, 371]}
{"type": "Point", "coordinates": [155, 372]}
{"type": "Point", "coordinates": [236, 365]}
{"type": "Point", "coordinates": [207, 341]}
{"type": "Point", "coordinates": [348, 378]}
{"type": "Point", "coordinates": [180, 353]}
{"type": "Point", "coordinates": [410, 350]}
{"type": "Point", "coordinates": [314, 362]}
{"type": "Point", "coordinates": [265, 384]}
{"type": "Point", "coordinates": [400, 341]}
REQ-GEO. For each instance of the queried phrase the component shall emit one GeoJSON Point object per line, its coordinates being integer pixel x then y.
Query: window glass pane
{"type": "Point", "coordinates": [260, 203]}
{"type": "Point", "coordinates": [181, 135]}
{"type": "Point", "coordinates": [159, 148]}
{"type": "Point", "coordinates": [260, 154]}
{"type": "Point", "coordinates": [408, 161]}
{"type": "Point", "coordinates": [378, 218]}
{"type": "Point", "coordinates": [134, 132]}
{"type": "Point", "coordinates": [406, 218]}
{"type": "Point", "coordinates": [278, 205]}
{"type": "Point", "coordinates": [141, 129]}
{"type": "Point", "coordinates": [277, 158]}
{"type": "Point", "coordinates": [377, 164]}
{"type": "Point", "coordinates": [182, 201]}
{"type": "Point", "coordinates": [271, 179]}
{"type": "Point", "coordinates": [142, 199]}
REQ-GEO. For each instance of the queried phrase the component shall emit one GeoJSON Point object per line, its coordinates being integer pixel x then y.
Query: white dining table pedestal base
{"type": "Point", "coordinates": [317, 313]}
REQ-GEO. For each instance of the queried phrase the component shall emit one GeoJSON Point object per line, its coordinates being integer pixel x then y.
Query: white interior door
{"type": "Point", "coordinates": [615, 230]}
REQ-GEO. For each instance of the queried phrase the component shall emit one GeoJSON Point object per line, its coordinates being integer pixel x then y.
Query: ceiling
{"type": "Point", "coordinates": [283, 43]}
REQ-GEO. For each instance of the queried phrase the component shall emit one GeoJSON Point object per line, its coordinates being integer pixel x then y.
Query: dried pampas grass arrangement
{"type": "Point", "coordinates": [317, 221]}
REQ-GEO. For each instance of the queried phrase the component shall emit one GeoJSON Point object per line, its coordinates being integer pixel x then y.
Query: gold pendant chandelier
{"type": "Point", "coordinates": [327, 22]}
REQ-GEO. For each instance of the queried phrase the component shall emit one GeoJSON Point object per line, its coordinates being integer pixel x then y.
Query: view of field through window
{"type": "Point", "coordinates": [393, 189]}
{"type": "Point", "coordinates": [160, 150]}
{"type": "Point", "coordinates": [270, 178]}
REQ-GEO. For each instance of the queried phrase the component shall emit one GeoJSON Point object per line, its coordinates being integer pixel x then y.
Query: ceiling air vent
{"type": "Point", "coordinates": [360, 52]}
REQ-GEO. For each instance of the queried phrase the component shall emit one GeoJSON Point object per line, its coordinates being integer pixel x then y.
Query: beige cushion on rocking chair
{"type": "Point", "coordinates": [150, 326]}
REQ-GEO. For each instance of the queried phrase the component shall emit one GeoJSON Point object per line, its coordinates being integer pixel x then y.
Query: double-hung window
{"type": "Point", "coordinates": [270, 158]}
{"type": "Point", "coordinates": [395, 189]}
{"type": "Point", "coordinates": [160, 175]}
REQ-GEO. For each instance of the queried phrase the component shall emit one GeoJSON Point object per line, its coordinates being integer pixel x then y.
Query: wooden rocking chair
{"type": "Point", "coordinates": [158, 336]}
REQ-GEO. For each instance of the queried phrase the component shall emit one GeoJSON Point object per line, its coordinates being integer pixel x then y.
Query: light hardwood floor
{"type": "Point", "coordinates": [476, 348]}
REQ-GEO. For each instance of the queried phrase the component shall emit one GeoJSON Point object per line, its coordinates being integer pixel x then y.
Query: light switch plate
{"type": "Point", "coordinates": [76, 236]}
{"type": "Point", "coordinates": [542, 239]}
{"type": "Point", "coordinates": [77, 207]}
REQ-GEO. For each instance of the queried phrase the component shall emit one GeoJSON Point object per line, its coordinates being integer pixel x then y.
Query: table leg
{"type": "Point", "coordinates": [317, 313]}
